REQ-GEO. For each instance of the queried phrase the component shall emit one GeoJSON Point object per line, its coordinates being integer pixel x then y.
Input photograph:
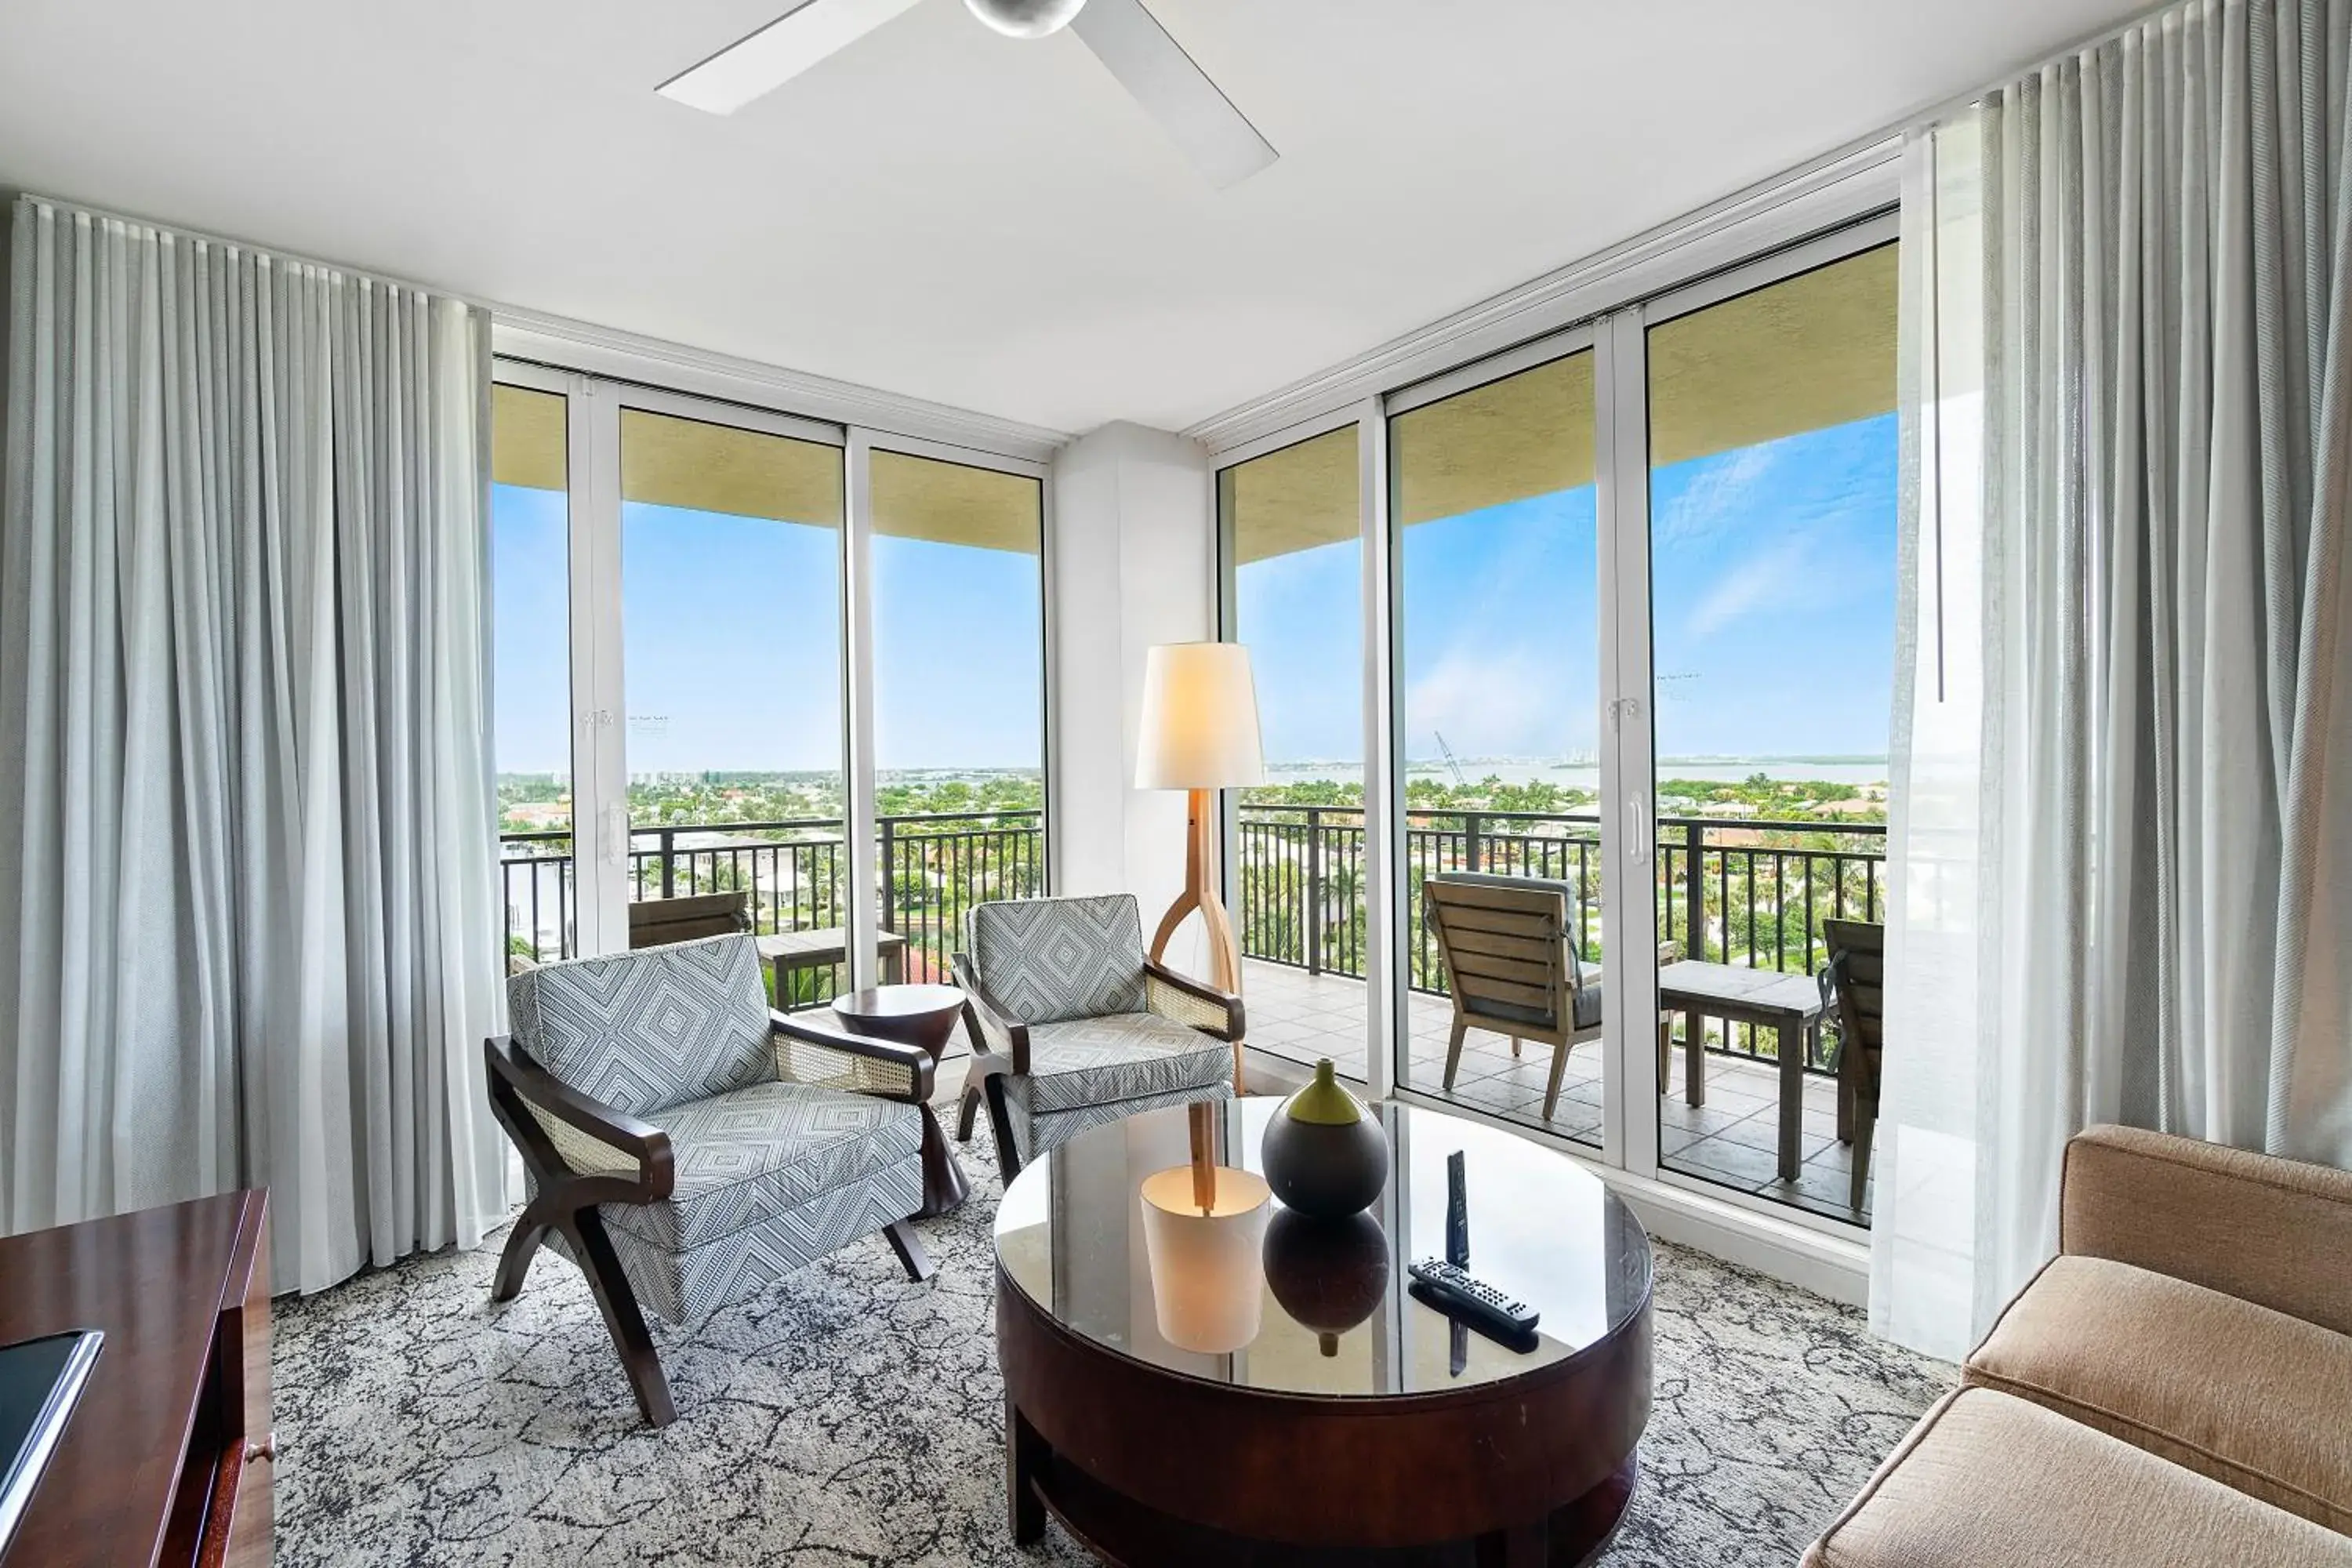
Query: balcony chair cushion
{"type": "Point", "coordinates": [1126, 1055]}
{"type": "Point", "coordinates": [2251, 1397]}
{"type": "Point", "coordinates": [1987, 1479]}
{"type": "Point", "coordinates": [1044, 960]}
{"type": "Point", "coordinates": [685, 1285]}
{"type": "Point", "coordinates": [753, 1154]}
{"type": "Point", "coordinates": [647, 1030]}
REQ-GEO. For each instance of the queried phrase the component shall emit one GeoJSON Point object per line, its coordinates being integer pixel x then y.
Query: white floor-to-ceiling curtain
{"type": "Point", "coordinates": [248, 934]}
{"type": "Point", "coordinates": [2126, 850]}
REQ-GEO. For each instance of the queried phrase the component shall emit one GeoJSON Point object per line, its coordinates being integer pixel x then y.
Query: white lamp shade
{"type": "Point", "coordinates": [1208, 1271]}
{"type": "Point", "coordinates": [1200, 719]}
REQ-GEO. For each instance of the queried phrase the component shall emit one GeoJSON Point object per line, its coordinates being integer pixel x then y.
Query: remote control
{"type": "Point", "coordinates": [1459, 1289]}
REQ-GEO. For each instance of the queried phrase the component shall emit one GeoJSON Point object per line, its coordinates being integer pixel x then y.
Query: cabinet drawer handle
{"type": "Point", "coordinates": [265, 1449]}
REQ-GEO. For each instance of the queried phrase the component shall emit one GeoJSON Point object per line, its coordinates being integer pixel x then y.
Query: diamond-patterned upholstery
{"type": "Point", "coordinates": [767, 1173]}
{"type": "Point", "coordinates": [1047, 960]}
{"type": "Point", "coordinates": [747, 1156]}
{"type": "Point", "coordinates": [1125, 1056]}
{"type": "Point", "coordinates": [647, 1030]}
{"type": "Point", "coordinates": [689, 1284]}
{"type": "Point", "coordinates": [1106, 1039]}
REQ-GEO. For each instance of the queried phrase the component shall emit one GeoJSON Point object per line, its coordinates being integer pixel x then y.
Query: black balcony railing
{"type": "Point", "coordinates": [1759, 888]}
{"type": "Point", "coordinates": [795, 875]}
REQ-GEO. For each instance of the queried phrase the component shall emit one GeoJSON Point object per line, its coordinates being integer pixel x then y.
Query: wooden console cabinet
{"type": "Point", "coordinates": [168, 1459]}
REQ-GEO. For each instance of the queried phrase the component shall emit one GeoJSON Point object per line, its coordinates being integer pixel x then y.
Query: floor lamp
{"type": "Point", "coordinates": [1200, 735]}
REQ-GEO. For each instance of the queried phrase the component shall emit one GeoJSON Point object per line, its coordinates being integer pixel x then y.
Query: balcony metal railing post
{"type": "Point", "coordinates": [1694, 887]}
{"type": "Point", "coordinates": [889, 859]}
{"type": "Point", "coordinates": [1470, 855]}
{"type": "Point", "coordinates": [1314, 890]}
{"type": "Point", "coordinates": [667, 839]}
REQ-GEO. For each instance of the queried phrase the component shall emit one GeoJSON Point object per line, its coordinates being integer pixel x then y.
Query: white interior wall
{"type": "Point", "coordinates": [1134, 551]}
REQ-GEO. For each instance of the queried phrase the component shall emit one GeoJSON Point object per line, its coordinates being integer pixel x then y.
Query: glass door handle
{"type": "Point", "coordinates": [1637, 829]}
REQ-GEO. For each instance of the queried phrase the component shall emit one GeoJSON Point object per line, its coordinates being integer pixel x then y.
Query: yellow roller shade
{"type": "Point", "coordinates": [1292, 500]}
{"type": "Point", "coordinates": [527, 443]}
{"type": "Point", "coordinates": [953, 504]}
{"type": "Point", "coordinates": [698, 467]}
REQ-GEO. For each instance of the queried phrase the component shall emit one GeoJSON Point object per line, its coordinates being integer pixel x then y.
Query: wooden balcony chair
{"type": "Point", "coordinates": [1510, 947]}
{"type": "Point", "coordinates": [687, 1147]}
{"type": "Point", "coordinates": [656, 922]}
{"type": "Point", "coordinates": [1072, 1026]}
{"type": "Point", "coordinates": [1853, 987]}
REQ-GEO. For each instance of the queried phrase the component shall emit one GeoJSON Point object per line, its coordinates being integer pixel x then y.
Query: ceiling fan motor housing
{"type": "Point", "coordinates": [1026, 19]}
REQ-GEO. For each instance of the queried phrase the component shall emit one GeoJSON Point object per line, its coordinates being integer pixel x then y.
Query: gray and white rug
{"type": "Point", "coordinates": [849, 1416]}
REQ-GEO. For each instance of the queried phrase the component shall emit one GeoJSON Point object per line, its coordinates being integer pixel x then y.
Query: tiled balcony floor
{"type": "Point", "coordinates": [1732, 1139]}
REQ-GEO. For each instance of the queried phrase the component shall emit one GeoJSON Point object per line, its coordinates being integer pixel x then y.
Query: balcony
{"type": "Point", "coordinates": [1735, 891]}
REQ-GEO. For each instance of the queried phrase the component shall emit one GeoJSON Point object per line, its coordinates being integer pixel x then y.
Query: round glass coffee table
{"type": "Point", "coordinates": [1283, 1394]}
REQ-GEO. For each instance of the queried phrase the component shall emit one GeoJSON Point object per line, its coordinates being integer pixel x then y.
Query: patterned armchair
{"type": "Point", "coordinates": [686, 1147]}
{"type": "Point", "coordinates": [1072, 1027]}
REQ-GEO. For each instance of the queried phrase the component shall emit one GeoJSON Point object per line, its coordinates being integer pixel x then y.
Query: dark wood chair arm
{"type": "Point", "coordinates": [514, 1073]}
{"type": "Point", "coordinates": [986, 1019]}
{"type": "Point", "coordinates": [1236, 1017]}
{"type": "Point", "coordinates": [913, 1059]}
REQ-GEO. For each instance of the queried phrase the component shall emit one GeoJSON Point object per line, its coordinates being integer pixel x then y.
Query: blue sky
{"type": "Point", "coordinates": [1773, 572]}
{"type": "Point", "coordinates": [732, 637]}
{"type": "Point", "coordinates": [1773, 582]}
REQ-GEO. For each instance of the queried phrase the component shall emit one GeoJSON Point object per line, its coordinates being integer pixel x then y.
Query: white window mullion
{"type": "Point", "coordinates": [1629, 913]}
{"type": "Point", "coordinates": [865, 869]}
{"type": "Point", "coordinates": [1386, 966]}
{"type": "Point", "coordinates": [601, 765]}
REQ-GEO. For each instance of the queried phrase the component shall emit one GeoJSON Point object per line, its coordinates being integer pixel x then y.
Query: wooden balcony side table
{"type": "Point", "coordinates": [924, 1017]}
{"type": "Point", "coordinates": [1790, 1005]}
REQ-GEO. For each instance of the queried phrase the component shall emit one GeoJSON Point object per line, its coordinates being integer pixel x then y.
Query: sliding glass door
{"type": "Point", "coordinates": [759, 671]}
{"type": "Point", "coordinates": [1496, 585]}
{"type": "Point", "coordinates": [1632, 620]}
{"type": "Point", "coordinates": [1290, 522]}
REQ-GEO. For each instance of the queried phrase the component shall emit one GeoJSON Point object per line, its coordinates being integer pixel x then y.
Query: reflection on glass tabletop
{"type": "Point", "coordinates": [1332, 1311]}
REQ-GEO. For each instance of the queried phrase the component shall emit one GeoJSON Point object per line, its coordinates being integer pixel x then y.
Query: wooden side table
{"type": "Point", "coordinates": [924, 1017]}
{"type": "Point", "coordinates": [1790, 1005]}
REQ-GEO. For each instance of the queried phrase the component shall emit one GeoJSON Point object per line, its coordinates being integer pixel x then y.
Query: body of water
{"type": "Point", "coordinates": [1586, 775]}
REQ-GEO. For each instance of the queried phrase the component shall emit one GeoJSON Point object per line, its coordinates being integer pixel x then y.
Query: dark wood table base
{"type": "Point", "coordinates": [1126, 1534]}
{"type": "Point", "coordinates": [924, 1017]}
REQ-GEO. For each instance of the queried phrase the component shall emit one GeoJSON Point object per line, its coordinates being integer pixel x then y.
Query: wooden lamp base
{"type": "Point", "coordinates": [1200, 893]}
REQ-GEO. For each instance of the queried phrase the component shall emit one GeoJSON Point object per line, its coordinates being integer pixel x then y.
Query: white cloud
{"type": "Point", "coordinates": [1507, 701]}
{"type": "Point", "coordinates": [1776, 578]}
{"type": "Point", "coordinates": [1715, 501]}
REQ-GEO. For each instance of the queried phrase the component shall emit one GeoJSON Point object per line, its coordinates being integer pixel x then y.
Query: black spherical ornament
{"type": "Point", "coordinates": [1329, 1275]}
{"type": "Point", "coordinates": [1026, 19]}
{"type": "Point", "coordinates": [1325, 1156]}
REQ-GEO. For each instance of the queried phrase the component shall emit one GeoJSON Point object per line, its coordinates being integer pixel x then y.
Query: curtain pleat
{"type": "Point", "coordinates": [2164, 926]}
{"type": "Point", "coordinates": [245, 849]}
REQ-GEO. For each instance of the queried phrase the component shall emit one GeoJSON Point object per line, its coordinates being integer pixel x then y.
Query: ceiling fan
{"type": "Point", "coordinates": [1218, 140]}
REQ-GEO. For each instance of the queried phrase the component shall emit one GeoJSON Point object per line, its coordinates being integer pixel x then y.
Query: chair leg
{"type": "Point", "coordinates": [610, 1286]}
{"type": "Point", "coordinates": [1665, 1050]}
{"type": "Point", "coordinates": [909, 1248]}
{"type": "Point", "coordinates": [1551, 1089]}
{"type": "Point", "coordinates": [514, 1263]}
{"type": "Point", "coordinates": [1866, 1122]}
{"type": "Point", "coordinates": [1454, 1050]}
{"type": "Point", "coordinates": [1000, 1120]}
{"type": "Point", "coordinates": [1515, 1047]}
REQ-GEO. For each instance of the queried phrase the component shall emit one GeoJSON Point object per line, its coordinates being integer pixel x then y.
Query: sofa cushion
{"type": "Point", "coordinates": [1035, 1135]}
{"type": "Point", "coordinates": [1986, 1478]}
{"type": "Point", "coordinates": [647, 1030]}
{"type": "Point", "coordinates": [1046, 960]}
{"type": "Point", "coordinates": [2251, 1397]}
{"type": "Point", "coordinates": [749, 1156]}
{"type": "Point", "coordinates": [1125, 1056]}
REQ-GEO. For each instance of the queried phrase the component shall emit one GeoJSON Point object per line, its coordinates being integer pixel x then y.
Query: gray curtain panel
{"type": "Point", "coordinates": [2167, 740]}
{"type": "Point", "coordinates": [248, 931]}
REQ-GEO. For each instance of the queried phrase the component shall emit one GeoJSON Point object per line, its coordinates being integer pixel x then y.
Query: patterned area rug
{"type": "Point", "coordinates": [849, 1416]}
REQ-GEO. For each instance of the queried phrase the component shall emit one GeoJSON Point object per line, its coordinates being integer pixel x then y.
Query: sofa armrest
{"type": "Point", "coordinates": [2274, 1232]}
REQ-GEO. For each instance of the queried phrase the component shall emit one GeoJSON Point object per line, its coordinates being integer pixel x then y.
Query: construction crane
{"type": "Point", "coordinates": [1447, 752]}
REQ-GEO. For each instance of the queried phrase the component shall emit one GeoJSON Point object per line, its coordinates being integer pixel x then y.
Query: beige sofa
{"type": "Point", "coordinates": [2174, 1388]}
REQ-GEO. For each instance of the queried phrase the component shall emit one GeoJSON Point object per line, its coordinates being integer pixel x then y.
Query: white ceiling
{"type": "Point", "coordinates": [942, 212]}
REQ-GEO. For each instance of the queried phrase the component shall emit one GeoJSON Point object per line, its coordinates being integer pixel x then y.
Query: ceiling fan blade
{"type": "Point", "coordinates": [751, 67]}
{"type": "Point", "coordinates": [1202, 120]}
